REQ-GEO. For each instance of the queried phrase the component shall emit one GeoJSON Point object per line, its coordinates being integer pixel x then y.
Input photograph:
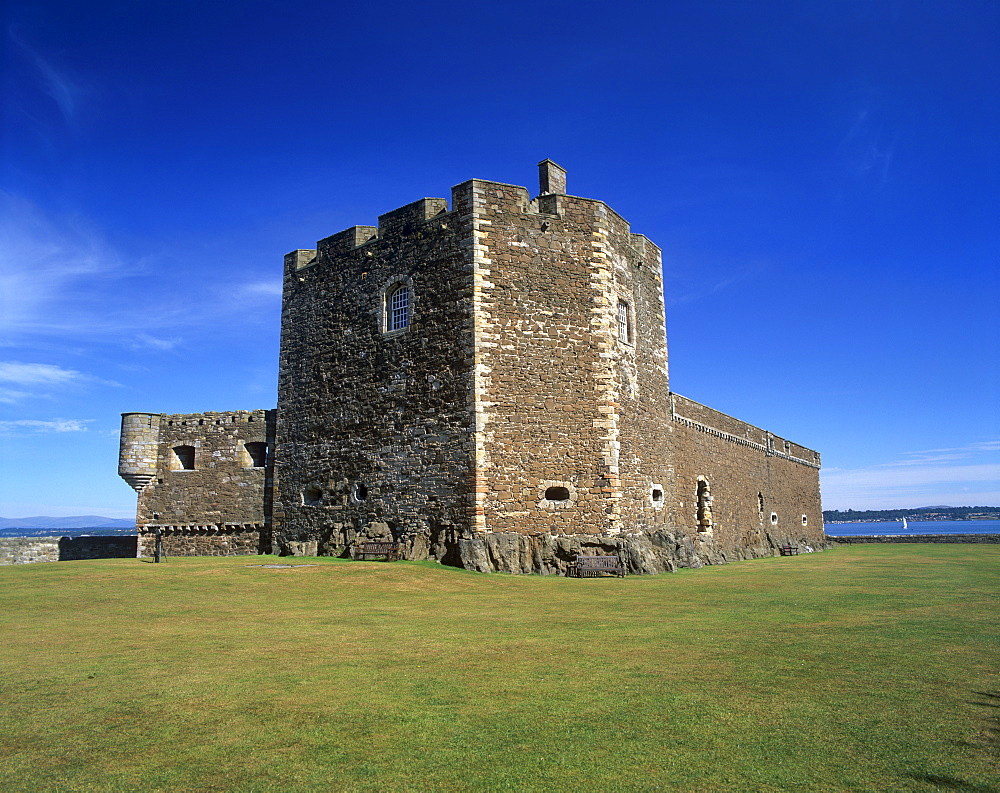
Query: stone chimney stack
{"type": "Point", "coordinates": [551, 178]}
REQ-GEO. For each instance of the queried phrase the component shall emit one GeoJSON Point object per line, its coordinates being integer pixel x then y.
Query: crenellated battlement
{"type": "Point", "coordinates": [477, 197]}
{"type": "Point", "coordinates": [212, 418]}
{"type": "Point", "coordinates": [398, 223]}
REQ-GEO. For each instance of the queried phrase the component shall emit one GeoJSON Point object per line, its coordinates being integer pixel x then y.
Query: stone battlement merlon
{"type": "Point", "coordinates": [405, 219]}
{"type": "Point", "coordinates": [644, 245]}
{"type": "Point", "coordinates": [298, 259]}
{"type": "Point", "coordinates": [346, 240]}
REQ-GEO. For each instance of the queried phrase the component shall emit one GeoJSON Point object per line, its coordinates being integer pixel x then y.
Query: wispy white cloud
{"type": "Point", "coordinates": [146, 341]}
{"type": "Point", "coordinates": [62, 282]}
{"type": "Point", "coordinates": [38, 378]}
{"type": "Point", "coordinates": [10, 395]}
{"type": "Point", "coordinates": [39, 425]}
{"type": "Point", "coordinates": [883, 476]}
{"type": "Point", "coordinates": [703, 293]}
{"type": "Point", "coordinates": [961, 476]}
{"type": "Point", "coordinates": [48, 269]}
{"type": "Point", "coordinates": [66, 89]}
{"type": "Point", "coordinates": [868, 149]}
{"type": "Point", "coordinates": [266, 289]}
{"type": "Point", "coordinates": [745, 272]}
{"type": "Point", "coordinates": [36, 374]}
{"type": "Point", "coordinates": [934, 456]}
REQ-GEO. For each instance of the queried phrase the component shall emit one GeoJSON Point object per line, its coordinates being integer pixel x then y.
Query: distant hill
{"type": "Point", "coordinates": [921, 513]}
{"type": "Point", "coordinates": [74, 522]}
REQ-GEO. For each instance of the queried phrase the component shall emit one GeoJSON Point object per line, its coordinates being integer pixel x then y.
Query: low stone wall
{"type": "Point", "coordinates": [25, 550]}
{"type": "Point", "coordinates": [98, 547]}
{"type": "Point", "coordinates": [247, 539]}
{"type": "Point", "coordinates": [971, 538]}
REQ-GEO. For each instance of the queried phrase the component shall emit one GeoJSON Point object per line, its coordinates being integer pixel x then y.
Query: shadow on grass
{"type": "Point", "coordinates": [951, 783]}
{"type": "Point", "coordinates": [993, 730]}
{"type": "Point", "coordinates": [993, 739]}
{"type": "Point", "coordinates": [987, 695]}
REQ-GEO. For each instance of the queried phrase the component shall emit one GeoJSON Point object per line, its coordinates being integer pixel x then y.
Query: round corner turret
{"type": "Point", "coordinates": [137, 454]}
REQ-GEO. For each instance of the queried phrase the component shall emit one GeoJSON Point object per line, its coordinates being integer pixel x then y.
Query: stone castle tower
{"type": "Point", "coordinates": [485, 382]}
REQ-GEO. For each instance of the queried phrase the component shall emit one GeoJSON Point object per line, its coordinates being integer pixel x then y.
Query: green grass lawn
{"type": "Point", "coordinates": [869, 667]}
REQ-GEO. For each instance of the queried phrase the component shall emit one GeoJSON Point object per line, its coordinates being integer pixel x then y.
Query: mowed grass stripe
{"type": "Point", "coordinates": [862, 668]}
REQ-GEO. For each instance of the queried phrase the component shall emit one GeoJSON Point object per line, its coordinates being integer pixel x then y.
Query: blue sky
{"type": "Point", "coordinates": [822, 178]}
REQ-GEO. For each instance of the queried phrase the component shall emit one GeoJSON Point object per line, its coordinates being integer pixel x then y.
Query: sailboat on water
{"type": "Point", "coordinates": [904, 524]}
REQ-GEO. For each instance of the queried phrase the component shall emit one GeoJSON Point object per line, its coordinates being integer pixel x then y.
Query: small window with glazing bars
{"type": "Point", "coordinates": [398, 308]}
{"type": "Point", "coordinates": [624, 322]}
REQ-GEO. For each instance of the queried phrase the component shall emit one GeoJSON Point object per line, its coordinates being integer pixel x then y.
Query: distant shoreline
{"type": "Point", "coordinates": [912, 520]}
{"type": "Point", "coordinates": [57, 531]}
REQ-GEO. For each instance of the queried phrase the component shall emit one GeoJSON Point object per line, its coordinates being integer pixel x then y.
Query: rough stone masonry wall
{"type": "Point", "coordinates": [26, 550]}
{"type": "Point", "coordinates": [542, 381]}
{"type": "Point", "coordinates": [375, 425]}
{"type": "Point", "coordinates": [763, 491]}
{"type": "Point", "coordinates": [641, 398]}
{"type": "Point", "coordinates": [218, 506]}
{"type": "Point", "coordinates": [245, 539]}
{"type": "Point", "coordinates": [562, 399]}
{"type": "Point", "coordinates": [511, 379]}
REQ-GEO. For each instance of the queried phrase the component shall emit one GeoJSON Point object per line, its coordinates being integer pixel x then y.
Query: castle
{"type": "Point", "coordinates": [485, 383]}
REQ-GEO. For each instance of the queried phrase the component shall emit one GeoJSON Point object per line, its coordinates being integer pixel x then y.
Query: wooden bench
{"type": "Point", "coordinates": [788, 550]}
{"type": "Point", "coordinates": [596, 566]}
{"type": "Point", "coordinates": [384, 551]}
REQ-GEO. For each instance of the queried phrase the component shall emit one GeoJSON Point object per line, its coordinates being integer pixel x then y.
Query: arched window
{"type": "Point", "coordinates": [183, 458]}
{"type": "Point", "coordinates": [397, 307]}
{"type": "Point", "coordinates": [624, 322]}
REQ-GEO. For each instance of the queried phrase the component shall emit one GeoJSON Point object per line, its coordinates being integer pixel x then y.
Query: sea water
{"type": "Point", "coordinates": [914, 527]}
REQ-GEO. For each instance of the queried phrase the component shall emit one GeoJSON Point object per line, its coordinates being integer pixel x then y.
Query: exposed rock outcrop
{"type": "Point", "coordinates": [644, 553]}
